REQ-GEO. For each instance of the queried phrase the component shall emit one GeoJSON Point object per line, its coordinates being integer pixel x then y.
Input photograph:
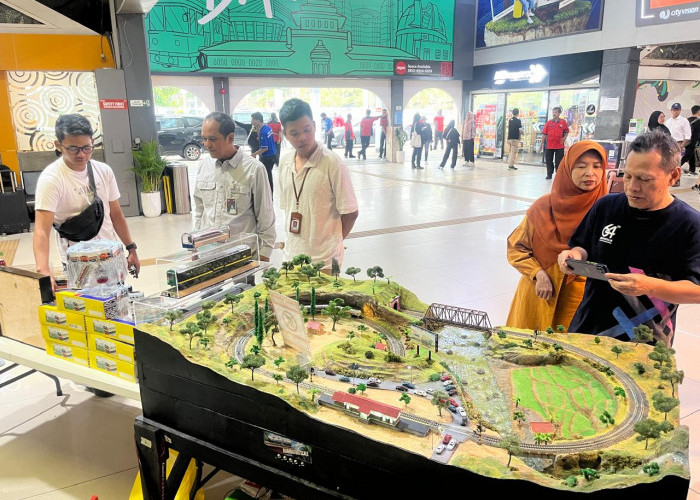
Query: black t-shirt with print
{"type": "Point", "coordinates": [663, 243]}
{"type": "Point", "coordinates": [514, 126]}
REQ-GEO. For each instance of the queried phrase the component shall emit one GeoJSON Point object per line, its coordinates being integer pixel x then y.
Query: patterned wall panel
{"type": "Point", "coordinates": [38, 98]}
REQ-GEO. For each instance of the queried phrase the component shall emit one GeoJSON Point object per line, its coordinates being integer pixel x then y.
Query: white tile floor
{"type": "Point", "coordinates": [79, 445]}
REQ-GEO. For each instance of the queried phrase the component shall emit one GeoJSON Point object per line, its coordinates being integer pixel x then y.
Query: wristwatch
{"type": "Point", "coordinates": [131, 246]}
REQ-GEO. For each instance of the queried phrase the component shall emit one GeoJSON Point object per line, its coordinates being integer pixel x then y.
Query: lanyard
{"type": "Point", "coordinates": [297, 195]}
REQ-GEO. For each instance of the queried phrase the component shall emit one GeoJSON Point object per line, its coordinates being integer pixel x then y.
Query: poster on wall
{"type": "Point", "coordinates": [659, 95]}
{"type": "Point", "coordinates": [288, 37]}
{"type": "Point", "coordinates": [666, 11]}
{"type": "Point", "coordinates": [501, 22]}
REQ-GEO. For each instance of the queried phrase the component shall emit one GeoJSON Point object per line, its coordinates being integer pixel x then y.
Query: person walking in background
{"type": "Point", "coordinates": [266, 152]}
{"type": "Point", "coordinates": [656, 120]}
{"type": "Point", "coordinates": [515, 132]}
{"type": "Point", "coordinates": [416, 141]}
{"type": "Point", "coordinates": [680, 130]}
{"type": "Point", "coordinates": [426, 134]}
{"type": "Point", "coordinates": [439, 124]}
{"type": "Point", "coordinates": [468, 133]}
{"type": "Point", "coordinates": [366, 133]}
{"type": "Point", "coordinates": [276, 128]}
{"type": "Point", "coordinates": [327, 128]}
{"type": "Point", "coordinates": [545, 297]}
{"type": "Point", "coordinates": [691, 150]}
{"type": "Point", "coordinates": [338, 120]}
{"type": "Point", "coordinates": [556, 131]}
{"type": "Point", "coordinates": [452, 139]}
{"type": "Point", "coordinates": [349, 137]}
{"type": "Point", "coordinates": [384, 124]}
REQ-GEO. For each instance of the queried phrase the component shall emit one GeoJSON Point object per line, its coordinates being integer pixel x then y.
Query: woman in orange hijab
{"type": "Point", "coordinates": [545, 296]}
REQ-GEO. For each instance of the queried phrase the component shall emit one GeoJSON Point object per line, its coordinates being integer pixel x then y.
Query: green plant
{"type": "Point", "coordinates": [401, 136]}
{"type": "Point", "coordinates": [149, 166]}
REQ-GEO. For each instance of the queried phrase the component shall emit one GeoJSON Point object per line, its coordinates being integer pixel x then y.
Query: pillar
{"type": "Point", "coordinates": [618, 80]}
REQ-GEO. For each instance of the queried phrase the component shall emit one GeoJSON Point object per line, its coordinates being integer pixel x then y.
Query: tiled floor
{"type": "Point", "coordinates": [438, 232]}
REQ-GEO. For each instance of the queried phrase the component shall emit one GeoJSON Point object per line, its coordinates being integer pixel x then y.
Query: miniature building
{"type": "Point", "coordinates": [314, 327]}
{"type": "Point", "coordinates": [367, 408]}
{"type": "Point", "coordinates": [380, 346]}
{"type": "Point", "coordinates": [542, 427]}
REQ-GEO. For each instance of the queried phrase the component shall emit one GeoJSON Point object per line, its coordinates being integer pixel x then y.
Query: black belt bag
{"type": "Point", "coordinates": [86, 224]}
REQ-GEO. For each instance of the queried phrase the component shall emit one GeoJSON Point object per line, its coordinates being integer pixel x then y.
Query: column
{"type": "Point", "coordinates": [618, 80]}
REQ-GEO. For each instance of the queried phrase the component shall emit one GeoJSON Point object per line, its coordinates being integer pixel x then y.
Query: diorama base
{"type": "Point", "coordinates": [205, 415]}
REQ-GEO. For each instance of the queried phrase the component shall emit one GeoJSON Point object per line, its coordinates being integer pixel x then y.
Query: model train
{"type": "Point", "coordinates": [198, 274]}
{"type": "Point", "coordinates": [192, 241]}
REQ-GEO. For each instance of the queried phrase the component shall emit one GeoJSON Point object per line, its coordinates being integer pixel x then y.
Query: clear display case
{"type": "Point", "coordinates": [95, 263]}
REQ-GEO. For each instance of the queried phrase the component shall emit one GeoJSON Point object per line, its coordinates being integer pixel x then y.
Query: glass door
{"type": "Point", "coordinates": [533, 115]}
{"type": "Point", "coordinates": [580, 107]}
{"type": "Point", "coordinates": [489, 112]}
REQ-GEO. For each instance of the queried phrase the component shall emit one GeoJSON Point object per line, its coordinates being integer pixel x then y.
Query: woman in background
{"type": "Point", "coordinates": [468, 132]}
{"type": "Point", "coordinates": [416, 141]}
{"type": "Point", "coordinates": [656, 120]}
{"type": "Point", "coordinates": [545, 296]}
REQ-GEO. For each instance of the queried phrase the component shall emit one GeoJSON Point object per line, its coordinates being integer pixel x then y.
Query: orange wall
{"type": "Point", "coordinates": [39, 53]}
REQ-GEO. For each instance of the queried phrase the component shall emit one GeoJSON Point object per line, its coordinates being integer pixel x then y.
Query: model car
{"type": "Point", "coordinates": [408, 385]}
{"type": "Point", "coordinates": [344, 379]}
{"type": "Point", "coordinates": [375, 380]}
{"type": "Point", "coordinates": [401, 388]}
{"type": "Point", "coordinates": [420, 393]}
{"type": "Point", "coordinates": [452, 408]}
{"type": "Point", "coordinates": [439, 448]}
{"type": "Point", "coordinates": [447, 438]}
{"type": "Point", "coordinates": [452, 392]}
{"type": "Point", "coordinates": [451, 445]}
{"type": "Point", "coordinates": [354, 366]}
{"type": "Point", "coordinates": [372, 384]}
{"type": "Point", "coordinates": [330, 372]}
{"type": "Point", "coordinates": [450, 387]}
{"type": "Point", "coordinates": [430, 391]}
{"type": "Point", "coordinates": [445, 377]}
{"type": "Point", "coordinates": [454, 402]}
{"type": "Point", "coordinates": [447, 382]}
{"type": "Point", "coordinates": [180, 135]}
{"type": "Point", "coordinates": [461, 411]}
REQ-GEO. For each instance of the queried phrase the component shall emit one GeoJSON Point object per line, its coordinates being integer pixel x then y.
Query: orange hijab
{"type": "Point", "coordinates": [555, 216]}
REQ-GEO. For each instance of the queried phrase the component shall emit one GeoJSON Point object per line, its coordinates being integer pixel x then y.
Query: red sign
{"type": "Point", "coordinates": [400, 67]}
{"type": "Point", "coordinates": [660, 4]}
{"type": "Point", "coordinates": [113, 104]}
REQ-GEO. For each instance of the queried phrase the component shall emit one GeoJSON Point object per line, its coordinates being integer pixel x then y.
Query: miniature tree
{"type": "Point", "coordinates": [205, 319]}
{"type": "Point", "coordinates": [352, 390]}
{"type": "Point", "coordinates": [297, 374]}
{"type": "Point", "coordinates": [312, 392]}
{"type": "Point", "coordinates": [207, 305]}
{"type": "Point", "coordinates": [172, 316]}
{"type": "Point", "coordinates": [231, 362]}
{"type": "Point", "coordinates": [527, 343]}
{"type": "Point", "coordinates": [646, 429]}
{"type": "Point", "coordinates": [661, 355]}
{"type": "Point", "coordinates": [279, 361]}
{"type": "Point", "coordinates": [301, 259]}
{"type": "Point", "coordinates": [362, 328]}
{"type": "Point", "coordinates": [270, 325]}
{"type": "Point", "coordinates": [617, 350]}
{"type": "Point", "coordinates": [308, 271]}
{"type": "Point", "coordinates": [252, 361]}
{"type": "Point", "coordinates": [664, 404]}
{"type": "Point", "coordinates": [510, 443]}
{"type": "Point", "coordinates": [405, 398]}
{"type": "Point", "coordinates": [550, 330]}
{"type": "Point", "coordinates": [337, 285]}
{"type": "Point", "coordinates": [375, 272]}
{"type": "Point", "coordinates": [519, 417]}
{"type": "Point", "coordinates": [318, 266]}
{"type": "Point", "coordinates": [558, 347]}
{"type": "Point", "coordinates": [501, 334]}
{"type": "Point", "coordinates": [191, 330]}
{"type": "Point", "coordinates": [227, 321]}
{"type": "Point", "coordinates": [641, 369]}
{"type": "Point", "coordinates": [362, 388]}
{"type": "Point", "coordinates": [596, 340]}
{"type": "Point", "coordinates": [620, 392]}
{"type": "Point", "coordinates": [651, 469]}
{"type": "Point", "coordinates": [286, 267]}
{"type": "Point", "coordinates": [312, 303]}
{"type": "Point", "coordinates": [589, 474]}
{"type": "Point", "coordinates": [277, 378]}
{"type": "Point", "coordinates": [204, 341]}
{"type": "Point", "coordinates": [232, 300]}
{"type": "Point", "coordinates": [517, 401]}
{"type": "Point", "coordinates": [350, 335]}
{"type": "Point", "coordinates": [571, 481]}
{"type": "Point", "coordinates": [255, 349]}
{"type": "Point", "coordinates": [352, 271]}
{"type": "Point", "coordinates": [270, 278]}
{"type": "Point", "coordinates": [606, 418]}
{"type": "Point", "coordinates": [673, 377]}
{"type": "Point", "coordinates": [642, 333]}
{"type": "Point", "coordinates": [561, 328]}
{"type": "Point", "coordinates": [440, 399]}
{"type": "Point", "coordinates": [337, 311]}
{"type": "Point", "coordinates": [335, 268]}
{"type": "Point", "coordinates": [543, 437]}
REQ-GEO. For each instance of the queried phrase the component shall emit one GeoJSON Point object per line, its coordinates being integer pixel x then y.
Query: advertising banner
{"type": "Point", "coordinates": [666, 11]}
{"type": "Point", "coordinates": [287, 37]}
{"type": "Point", "coordinates": [501, 22]}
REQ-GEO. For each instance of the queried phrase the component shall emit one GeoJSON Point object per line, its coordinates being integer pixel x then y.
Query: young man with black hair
{"type": "Point", "coordinates": [316, 190]}
{"type": "Point", "coordinates": [515, 131]}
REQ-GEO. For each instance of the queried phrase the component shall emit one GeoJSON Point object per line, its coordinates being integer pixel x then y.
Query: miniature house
{"type": "Point", "coordinates": [380, 346]}
{"type": "Point", "coordinates": [366, 408]}
{"type": "Point", "coordinates": [314, 327]}
{"type": "Point", "coordinates": [542, 427]}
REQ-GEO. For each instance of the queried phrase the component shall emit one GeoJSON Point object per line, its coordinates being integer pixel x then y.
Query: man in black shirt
{"type": "Point", "coordinates": [515, 129]}
{"type": "Point", "coordinates": [650, 242]}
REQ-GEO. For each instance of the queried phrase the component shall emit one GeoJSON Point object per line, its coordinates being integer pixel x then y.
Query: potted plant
{"type": "Point", "coordinates": [149, 167]}
{"type": "Point", "coordinates": [401, 138]}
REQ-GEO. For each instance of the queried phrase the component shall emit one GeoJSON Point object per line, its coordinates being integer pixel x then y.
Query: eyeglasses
{"type": "Point", "coordinates": [74, 150]}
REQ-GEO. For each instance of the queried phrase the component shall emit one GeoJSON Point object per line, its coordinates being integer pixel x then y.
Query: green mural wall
{"type": "Point", "coordinates": [298, 37]}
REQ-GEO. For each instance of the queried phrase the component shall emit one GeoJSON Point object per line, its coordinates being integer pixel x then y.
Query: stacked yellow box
{"type": "Point", "coordinates": [64, 332]}
{"type": "Point", "coordinates": [111, 347]}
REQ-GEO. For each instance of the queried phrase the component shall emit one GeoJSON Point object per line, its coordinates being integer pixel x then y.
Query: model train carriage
{"type": "Point", "coordinates": [196, 272]}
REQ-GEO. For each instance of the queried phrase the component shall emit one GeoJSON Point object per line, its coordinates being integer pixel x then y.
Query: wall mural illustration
{"type": "Point", "coordinates": [37, 98]}
{"type": "Point", "coordinates": [298, 37]}
{"type": "Point", "coordinates": [500, 22]}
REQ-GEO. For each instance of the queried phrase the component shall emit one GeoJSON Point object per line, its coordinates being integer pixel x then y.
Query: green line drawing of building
{"type": "Point", "coordinates": [304, 37]}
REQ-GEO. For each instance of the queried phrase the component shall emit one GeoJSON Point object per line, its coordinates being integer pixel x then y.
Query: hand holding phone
{"type": "Point", "coordinates": [588, 269]}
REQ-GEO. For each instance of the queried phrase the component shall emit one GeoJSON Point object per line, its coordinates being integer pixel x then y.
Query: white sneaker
{"type": "Point", "coordinates": [529, 20]}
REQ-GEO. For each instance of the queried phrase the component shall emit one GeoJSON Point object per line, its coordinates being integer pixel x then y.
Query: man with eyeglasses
{"type": "Point", "coordinates": [63, 191]}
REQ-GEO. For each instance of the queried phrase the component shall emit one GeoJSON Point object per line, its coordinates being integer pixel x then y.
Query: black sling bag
{"type": "Point", "coordinates": [86, 224]}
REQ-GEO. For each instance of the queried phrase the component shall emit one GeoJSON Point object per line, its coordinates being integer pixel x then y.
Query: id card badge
{"type": "Point", "coordinates": [295, 223]}
{"type": "Point", "coordinates": [231, 206]}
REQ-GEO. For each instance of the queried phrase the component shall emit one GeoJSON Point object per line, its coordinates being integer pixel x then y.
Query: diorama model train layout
{"type": "Point", "coordinates": [407, 396]}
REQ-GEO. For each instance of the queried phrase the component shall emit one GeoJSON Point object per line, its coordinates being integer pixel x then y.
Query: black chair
{"type": "Point", "coordinates": [29, 180]}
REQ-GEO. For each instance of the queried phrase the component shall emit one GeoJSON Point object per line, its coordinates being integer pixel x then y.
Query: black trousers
{"type": "Point", "coordinates": [364, 141]}
{"type": "Point", "coordinates": [382, 145]}
{"type": "Point", "coordinates": [269, 162]}
{"type": "Point", "coordinates": [689, 157]}
{"type": "Point", "coordinates": [451, 148]}
{"type": "Point", "coordinates": [329, 141]}
{"type": "Point", "coordinates": [348, 148]}
{"type": "Point", "coordinates": [426, 148]}
{"type": "Point", "coordinates": [438, 138]}
{"type": "Point", "coordinates": [415, 158]}
{"type": "Point", "coordinates": [468, 149]}
{"type": "Point", "coordinates": [553, 158]}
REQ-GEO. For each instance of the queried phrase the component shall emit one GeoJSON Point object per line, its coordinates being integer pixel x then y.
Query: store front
{"type": "Point", "coordinates": [528, 86]}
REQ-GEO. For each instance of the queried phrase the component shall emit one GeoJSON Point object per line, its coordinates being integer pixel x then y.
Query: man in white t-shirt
{"type": "Point", "coordinates": [316, 191]}
{"type": "Point", "coordinates": [63, 191]}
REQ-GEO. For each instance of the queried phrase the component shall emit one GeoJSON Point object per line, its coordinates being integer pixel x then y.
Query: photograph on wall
{"type": "Point", "coordinates": [288, 37]}
{"type": "Point", "coordinates": [502, 22]}
{"type": "Point", "coordinates": [660, 95]}
{"type": "Point", "coordinates": [666, 11]}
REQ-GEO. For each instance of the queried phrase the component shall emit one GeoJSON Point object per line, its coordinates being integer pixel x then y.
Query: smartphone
{"type": "Point", "coordinates": [588, 269]}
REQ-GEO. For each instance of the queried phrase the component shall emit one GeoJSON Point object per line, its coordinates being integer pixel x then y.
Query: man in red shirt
{"type": "Point", "coordinates": [384, 123]}
{"type": "Point", "coordinates": [365, 133]}
{"type": "Point", "coordinates": [556, 131]}
{"type": "Point", "coordinates": [439, 124]}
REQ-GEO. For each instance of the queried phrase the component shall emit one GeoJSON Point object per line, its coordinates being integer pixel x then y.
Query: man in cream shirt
{"type": "Point", "coordinates": [316, 191]}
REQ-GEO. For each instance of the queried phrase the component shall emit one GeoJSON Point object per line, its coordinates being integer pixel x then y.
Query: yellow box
{"type": "Point", "coordinates": [111, 347]}
{"type": "Point", "coordinates": [122, 331]}
{"type": "Point", "coordinates": [65, 336]}
{"type": "Point", "coordinates": [106, 364]}
{"type": "Point", "coordinates": [84, 304]}
{"type": "Point", "coordinates": [51, 315]}
{"type": "Point", "coordinates": [69, 353]}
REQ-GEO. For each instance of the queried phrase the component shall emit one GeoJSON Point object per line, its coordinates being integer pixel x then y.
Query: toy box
{"type": "Point", "coordinates": [52, 315]}
{"type": "Point", "coordinates": [110, 347]}
{"type": "Point", "coordinates": [120, 330]}
{"type": "Point", "coordinates": [106, 364]}
{"type": "Point", "coordinates": [65, 336]}
{"type": "Point", "coordinates": [102, 302]}
{"type": "Point", "coordinates": [69, 353]}
{"type": "Point", "coordinates": [94, 263]}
